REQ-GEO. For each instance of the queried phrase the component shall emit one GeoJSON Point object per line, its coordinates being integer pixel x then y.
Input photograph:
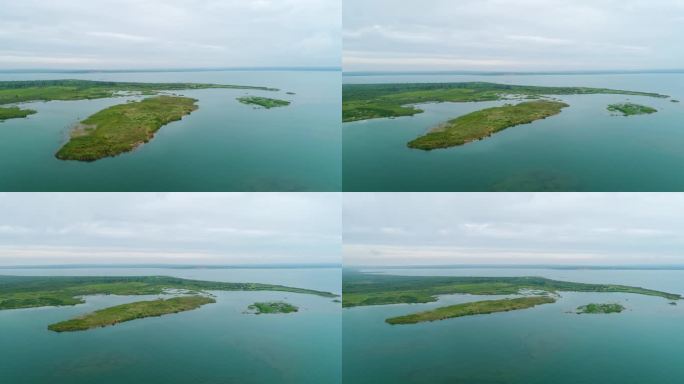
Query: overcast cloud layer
{"type": "Point", "coordinates": [175, 228]}
{"type": "Point", "coordinates": [512, 228]}
{"type": "Point", "coordinates": [518, 35]}
{"type": "Point", "coordinates": [116, 34]}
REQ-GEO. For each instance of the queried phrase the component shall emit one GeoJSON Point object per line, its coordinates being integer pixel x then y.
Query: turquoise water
{"type": "Point", "coordinates": [223, 146]}
{"type": "Point", "coordinates": [583, 148]}
{"type": "Point", "coordinates": [534, 346]}
{"type": "Point", "coordinates": [214, 344]}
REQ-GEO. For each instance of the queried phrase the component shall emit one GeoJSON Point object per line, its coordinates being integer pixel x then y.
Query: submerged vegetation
{"type": "Point", "coordinates": [127, 312]}
{"type": "Point", "coordinates": [264, 102]}
{"type": "Point", "coordinates": [470, 309]}
{"type": "Point", "coordinates": [629, 109]}
{"type": "Point", "coordinates": [7, 113]}
{"type": "Point", "coordinates": [46, 90]}
{"type": "Point", "coordinates": [122, 128]}
{"type": "Point", "coordinates": [42, 291]}
{"type": "Point", "coordinates": [372, 101]}
{"type": "Point", "coordinates": [273, 307]}
{"type": "Point", "coordinates": [480, 124]}
{"type": "Point", "coordinates": [600, 308]}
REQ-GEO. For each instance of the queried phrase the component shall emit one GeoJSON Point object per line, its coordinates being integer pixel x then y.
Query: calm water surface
{"type": "Point", "coordinates": [584, 148]}
{"type": "Point", "coordinates": [534, 346]}
{"type": "Point", "coordinates": [223, 146]}
{"type": "Point", "coordinates": [214, 344]}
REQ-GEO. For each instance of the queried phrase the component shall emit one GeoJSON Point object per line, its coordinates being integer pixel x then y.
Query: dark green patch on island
{"type": "Point", "coordinates": [273, 307]}
{"type": "Point", "coordinates": [470, 309]}
{"type": "Point", "coordinates": [600, 308]}
{"type": "Point", "coordinates": [14, 113]}
{"type": "Point", "coordinates": [674, 101]}
{"type": "Point", "coordinates": [127, 312]}
{"type": "Point", "coordinates": [264, 102]}
{"type": "Point", "coordinates": [41, 291]}
{"type": "Point", "coordinates": [46, 90]}
{"type": "Point", "coordinates": [372, 101]}
{"type": "Point", "coordinates": [361, 289]}
{"type": "Point", "coordinates": [122, 128]}
{"type": "Point", "coordinates": [480, 124]}
{"type": "Point", "coordinates": [629, 109]}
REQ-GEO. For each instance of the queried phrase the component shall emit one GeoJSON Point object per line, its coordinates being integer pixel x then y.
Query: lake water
{"type": "Point", "coordinates": [215, 344]}
{"type": "Point", "coordinates": [223, 146]}
{"type": "Point", "coordinates": [541, 345]}
{"type": "Point", "coordinates": [583, 148]}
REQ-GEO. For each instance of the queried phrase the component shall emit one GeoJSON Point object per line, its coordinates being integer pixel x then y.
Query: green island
{"type": "Point", "coordinates": [674, 101]}
{"type": "Point", "coordinates": [127, 312]}
{"type": "Point", "coordinates": [362, 289]}
{"type": "Point", "coordinates": [600, 308]}
{"type": "Point", "coordinates": [629, 109]}
{"type": "Point", "coordinates": [264, 102]}
{"type": "Point", "coordinates": [42, 291]}
{"type": "Point", "coordinates": [484, 123]}
{"type": "Point", "coordinates": [372, 101]}
{"type": "Point", "coordinates": [123, 127]}
{"type": "Point", "coordinates": [47, 90]}
{"type": "Point", "coordinates": [7, 113]}
{"type": "Point", "coordinates": [470, 309]}
{"type": "Point", "coordinates": [272, 307]}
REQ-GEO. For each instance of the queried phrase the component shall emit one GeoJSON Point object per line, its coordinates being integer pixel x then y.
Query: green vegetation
{"type": "Point", "coordinates": [131, 311]}
{"type": "Point", "coordinates": [673, 303]}
{"type": "Point", "coordinates": [265, 102]}
{"type": "Point", "coordinates": [372, 101]}
{"type": "Point", "coordinates": [674, 101]}
{"type": "Point", "coordinates": [600, 308]}
{"type": "Point", "coordinates": [484, 123]}
{"type": "Point", "coordinates": [378, 289]}
{"type": "Point", "coordinates": [46, 90]}
{"type": "Point", "coordinates": [629, 109]}
{"type": "Point", "coordinates": [474, 308]}
{"type": "Point", "coordinates": [122, 128]}
{"type": "Point", "coordinates": [31, 291]}
{"type": "Point", "coordinates": [14, 113]}
{"type": "Point", "coordinates": [273, 307]}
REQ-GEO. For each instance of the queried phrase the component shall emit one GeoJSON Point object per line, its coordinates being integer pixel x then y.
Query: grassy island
{"type": "Point", "coordinates": [14, 113]}
{"type": "Point", "coordinates": [46, 90]}
{"type": "Point", "coordinates": [372, 101]}
{"type": "Point", "coordinates": [127, 312]}
{"type": "Point", "coordinates": [480, 124]}
{"type": "Point", "coordinates": [43, 291]}
{"type": "Point", "coordinates": [273, 307]}
{"type": "Point", "coordinates": [264, 102]}
{"type": "Point", "coordinates": [600, 308]}
{"type": "Point", "coordinates": [470, 309]}
{"type": "Point", "coordinates": [122, 128]}
{"type": "Point", "coordinates": [629, 109]}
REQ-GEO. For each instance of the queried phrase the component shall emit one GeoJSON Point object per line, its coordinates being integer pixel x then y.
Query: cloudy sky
{"type": "Point", "coordinates": [518, 35]}
{"type": "Point", "coordinates": [229, 228]}
{"type": "Point", "coordinates": [512, 228]}
{"type": "Point", "coordinates": [116, 34]}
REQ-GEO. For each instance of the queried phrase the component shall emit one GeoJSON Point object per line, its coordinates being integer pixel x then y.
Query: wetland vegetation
{"type": "Point", "coordinates": [600, 308]}
{"type": "Point", "coordinates": [41, 291]}
{"type": "Point", "coordinates": [629, 109]}
{"type": "Point", "coordinates": [123, 127]}
{"type": "Point", "coordinates": [473, 308]}
{"type": "Point", "coordinates": [14, 113]}
{"type": "Point", "coordinates": [272, 307]}
{"type": "Point", "coordinates": [264, 102]}
{"type": "Point", "coordinates": [483, 123]}
{"type": "Point", "coordinates": [131, 311]}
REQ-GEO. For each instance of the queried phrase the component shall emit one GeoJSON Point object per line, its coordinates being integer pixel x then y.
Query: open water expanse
{"type": "Point", "coordinates": [541, 345]}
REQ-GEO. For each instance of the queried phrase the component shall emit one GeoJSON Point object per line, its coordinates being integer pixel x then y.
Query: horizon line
{"type": "Point", "coordinates": [179, 69]}
{"type": "Point", "coordinates": [512, 72]}
{"type": "Point", "coordinates": [522, 266]}
{"type": "Point", "coordinates": [178, 266]}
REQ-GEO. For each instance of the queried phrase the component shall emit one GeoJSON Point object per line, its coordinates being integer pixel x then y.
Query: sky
{"type": "Point", "coordinates": [169, 228]}
{"type": "Point", "coordinates": [135, 34]}
{"type": "Point", "coordinates": [513, 228]}
{"type": "Point", "coordinates": [513, 35]}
